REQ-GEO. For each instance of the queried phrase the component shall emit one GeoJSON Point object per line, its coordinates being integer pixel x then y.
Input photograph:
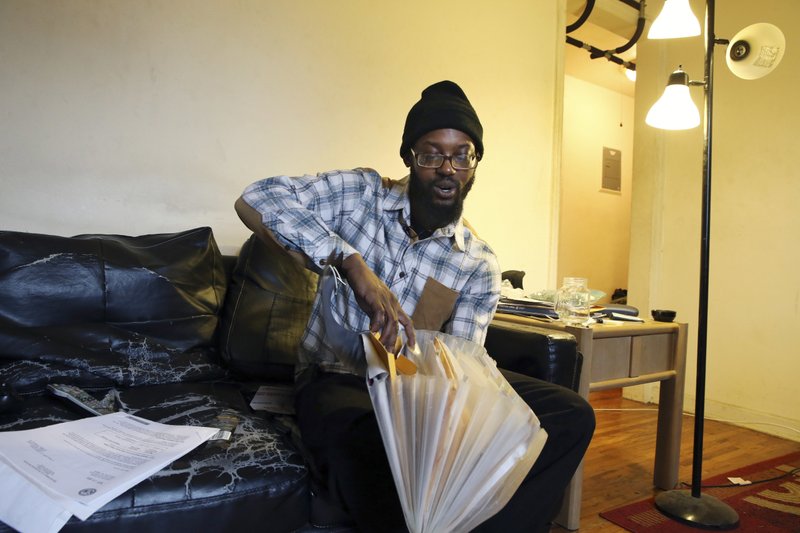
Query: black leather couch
{"type": "Point", "coordinates": [183, 334]}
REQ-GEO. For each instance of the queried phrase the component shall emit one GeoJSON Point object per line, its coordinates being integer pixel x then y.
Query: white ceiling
{"type": "Point", "coordinates": [611, 24]}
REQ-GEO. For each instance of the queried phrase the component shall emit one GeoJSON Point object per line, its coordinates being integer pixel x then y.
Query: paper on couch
{"type": "Point", "coordinates": [25, 507]}
{"type": "Point", "coordinates": [84, 464]}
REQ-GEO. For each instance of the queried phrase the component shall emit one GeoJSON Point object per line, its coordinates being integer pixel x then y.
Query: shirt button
{"type": "Point", "coordinates": [402, 275]}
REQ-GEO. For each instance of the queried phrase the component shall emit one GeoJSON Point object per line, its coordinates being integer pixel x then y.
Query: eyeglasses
{"type": "Point", "coordinates": [457, 161]}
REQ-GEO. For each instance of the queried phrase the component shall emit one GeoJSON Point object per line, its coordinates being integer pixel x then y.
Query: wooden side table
{"type": "Point", "coordinates": [622, 355]}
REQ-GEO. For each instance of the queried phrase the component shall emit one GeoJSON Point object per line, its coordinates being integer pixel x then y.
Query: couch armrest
{"type": "Point", "coordinates": [545, 354]}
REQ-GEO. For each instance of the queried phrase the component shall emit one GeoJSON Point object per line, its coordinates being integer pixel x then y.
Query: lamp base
{"type": "Point", "coordinates": [705, 512]}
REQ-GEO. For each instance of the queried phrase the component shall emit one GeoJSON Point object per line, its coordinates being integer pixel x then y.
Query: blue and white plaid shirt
{"type": "Point", "coordinates": [358, 211]}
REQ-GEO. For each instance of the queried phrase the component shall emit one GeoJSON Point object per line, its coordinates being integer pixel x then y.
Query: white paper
{"type": "Point", "coordinates": [627, 318]}
{"type": "Point", "coordinates": [84, 464]}
{"type": "Point", "coordinates": [274, 399]}
{"type": "Point", "coordinates": [25, 507]}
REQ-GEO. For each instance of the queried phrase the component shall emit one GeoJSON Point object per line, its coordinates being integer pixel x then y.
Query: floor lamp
{"type": "Point", "coordinates": [752, 53]}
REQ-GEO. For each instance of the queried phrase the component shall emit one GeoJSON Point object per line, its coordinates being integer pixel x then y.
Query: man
{"type": "Point", "coordinates": [402, 242]}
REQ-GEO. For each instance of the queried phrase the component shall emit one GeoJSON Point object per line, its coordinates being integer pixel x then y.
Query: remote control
{"type": "Point", "coordinates": [84, 400]}
{"type": "Point", "coordinates": [226, 423]}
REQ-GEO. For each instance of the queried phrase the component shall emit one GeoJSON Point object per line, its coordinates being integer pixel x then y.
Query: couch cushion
{"type": "Point", "coordinates": [256, 482]}
{"type": "Point", "coordinates": [94, 309]}
{"type": "Point", "coordinates": [267, 308]}
{"type": "Point", "coordinates": [542, 353]}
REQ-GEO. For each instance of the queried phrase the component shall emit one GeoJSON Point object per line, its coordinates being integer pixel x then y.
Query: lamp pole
{"type": "Point", "coordinates": [705, 252]}
{"type": "Point", "coordinates": [694, 508]}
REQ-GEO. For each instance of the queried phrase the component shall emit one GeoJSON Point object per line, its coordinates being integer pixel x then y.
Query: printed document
{"type": "Point", "coordinates": [74, 468]}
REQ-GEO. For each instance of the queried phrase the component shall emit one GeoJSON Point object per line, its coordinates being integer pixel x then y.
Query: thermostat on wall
{"type": "Point", "coordinates": [612, 169]}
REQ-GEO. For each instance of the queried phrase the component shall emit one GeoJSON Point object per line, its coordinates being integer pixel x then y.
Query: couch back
{"type": "Point", "coordinates": [104, 310]}
{"type": "Point", "coordinates": [266, 310]}
{"type": "Point", "coordinates": [110, 310]}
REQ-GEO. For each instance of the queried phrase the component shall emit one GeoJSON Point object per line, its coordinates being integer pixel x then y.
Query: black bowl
{"type": "Point", "coordinates": [663, 315]}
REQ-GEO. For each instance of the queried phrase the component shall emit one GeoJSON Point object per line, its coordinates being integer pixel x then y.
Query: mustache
{"type": "Point", "coordinates": [448, 182]}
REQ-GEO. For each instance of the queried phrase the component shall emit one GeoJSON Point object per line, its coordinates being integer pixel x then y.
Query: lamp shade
{"type": "Point", "coordinates": [675, 110]}
{"type": "Point", "coordinates": [675, 20]}
{"type": "Point", "coordinates": [755, 51]}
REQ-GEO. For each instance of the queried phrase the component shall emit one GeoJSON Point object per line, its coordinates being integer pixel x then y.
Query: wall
{"type": "Point", "coordinates": [136, 117]}
{"type": "Point", "coordinates": [594, 224]}
{"type": "Point", "coordinates": [754, 309]}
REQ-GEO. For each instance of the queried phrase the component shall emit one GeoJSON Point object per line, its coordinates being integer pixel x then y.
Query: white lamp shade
{"type": "Point", "coordinates": [675, 20]}
{"type": "Point", "coordinates": [755, 51]}
{"type": "Point", "coordinates": [675, 110]}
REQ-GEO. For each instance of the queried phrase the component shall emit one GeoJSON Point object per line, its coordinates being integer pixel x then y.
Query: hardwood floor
{"type": "Point", "coordinates": [618, 467]}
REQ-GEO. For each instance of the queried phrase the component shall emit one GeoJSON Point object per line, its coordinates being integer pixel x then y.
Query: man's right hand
{"type": "Point", "coordinates": [378, 301]}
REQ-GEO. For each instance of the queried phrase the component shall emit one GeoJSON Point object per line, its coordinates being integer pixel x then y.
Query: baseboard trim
{"type": "Point", "coordinates": [736, 415]}
{"type": "Point", "coordinates": [748, 418]}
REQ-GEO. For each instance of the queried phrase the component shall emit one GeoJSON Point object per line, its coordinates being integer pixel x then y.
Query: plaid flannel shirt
{"type": "Point", "coordinates": [358, 211]}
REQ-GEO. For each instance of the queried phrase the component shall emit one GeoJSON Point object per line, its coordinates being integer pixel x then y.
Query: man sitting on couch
{"type": "Point", "coordinates": [400, 242]}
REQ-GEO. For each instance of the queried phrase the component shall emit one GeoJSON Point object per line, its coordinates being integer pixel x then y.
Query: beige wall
{"type": "Point", "coordinates": [594, 224]}
{"type": "Point", "coordinates": [753, 353]}
{"type": "Point", "coordinates": [137, 117]}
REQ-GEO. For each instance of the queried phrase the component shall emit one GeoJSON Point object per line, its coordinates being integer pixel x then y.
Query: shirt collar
{"type": "Point", "coordinates": [397, 200]}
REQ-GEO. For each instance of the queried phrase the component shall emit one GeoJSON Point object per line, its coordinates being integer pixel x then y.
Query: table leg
{"type": "Point", "coordinates": [569, 516]}
{"type": "Point", "coordinates": [670, 418]}
{"type": "Point", "coordinates": [570, 513]}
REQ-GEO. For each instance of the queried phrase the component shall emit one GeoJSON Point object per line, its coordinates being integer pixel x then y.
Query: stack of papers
{"type": "Point", "coordinates": [458, 438]}
{"type": "Point", "coordinates": [527, 307]}
{"type": "Point", "coordinates": [74, 468]}
{"type": "Point", "coordinates": [278, 399]}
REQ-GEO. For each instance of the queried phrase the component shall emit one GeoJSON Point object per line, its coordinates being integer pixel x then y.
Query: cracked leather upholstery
{"type": "Point", "coordinates": [547, 354]}
{"type": "Point", "coordinates": [140, 314]}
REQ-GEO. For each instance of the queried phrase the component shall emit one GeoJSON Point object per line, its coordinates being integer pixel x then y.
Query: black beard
{"type": "Point", "coordinates": [427, 216]}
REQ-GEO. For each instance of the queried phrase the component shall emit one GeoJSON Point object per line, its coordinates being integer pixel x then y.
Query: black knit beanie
{"type": "Point", "coordinates": [443, 105]}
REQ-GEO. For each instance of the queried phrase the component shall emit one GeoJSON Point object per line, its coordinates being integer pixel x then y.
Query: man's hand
{"type": "Point", "coordinates": [378, 301]}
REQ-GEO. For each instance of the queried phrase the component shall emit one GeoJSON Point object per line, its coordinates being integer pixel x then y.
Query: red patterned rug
{"type": "Point", "coordinates": [773, 506]}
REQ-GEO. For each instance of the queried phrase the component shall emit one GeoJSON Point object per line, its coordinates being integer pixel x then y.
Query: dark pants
{"type": "Point", "coordinates": [340, 432]}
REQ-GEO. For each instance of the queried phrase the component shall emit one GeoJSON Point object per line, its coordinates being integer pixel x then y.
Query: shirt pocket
{"type": "Point", "coordinates": [435, 306]}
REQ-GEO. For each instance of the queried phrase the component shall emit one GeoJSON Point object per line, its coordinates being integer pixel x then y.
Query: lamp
{"type": "Point", "coordinates": [675, 20]}
{"type": "Point", "coordinates": [753, 53]}
{"type": "Point", "coordinates": [675, 110]}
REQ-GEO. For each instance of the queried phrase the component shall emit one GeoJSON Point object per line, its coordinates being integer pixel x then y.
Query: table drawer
{"type": "Point", "coordinates": [651, 353]}
{"type": "Point", "coordinates": [611, 358]}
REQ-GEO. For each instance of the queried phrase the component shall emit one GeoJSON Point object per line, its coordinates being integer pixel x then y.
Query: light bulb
{"type": "Point", "coordinates": [675, 20]}
{"type": "Point", "coordinates": [675, 110]}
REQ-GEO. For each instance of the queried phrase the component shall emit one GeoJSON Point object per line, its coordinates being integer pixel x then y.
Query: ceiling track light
{"type": "Point", "coordinates": [610, 55]}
